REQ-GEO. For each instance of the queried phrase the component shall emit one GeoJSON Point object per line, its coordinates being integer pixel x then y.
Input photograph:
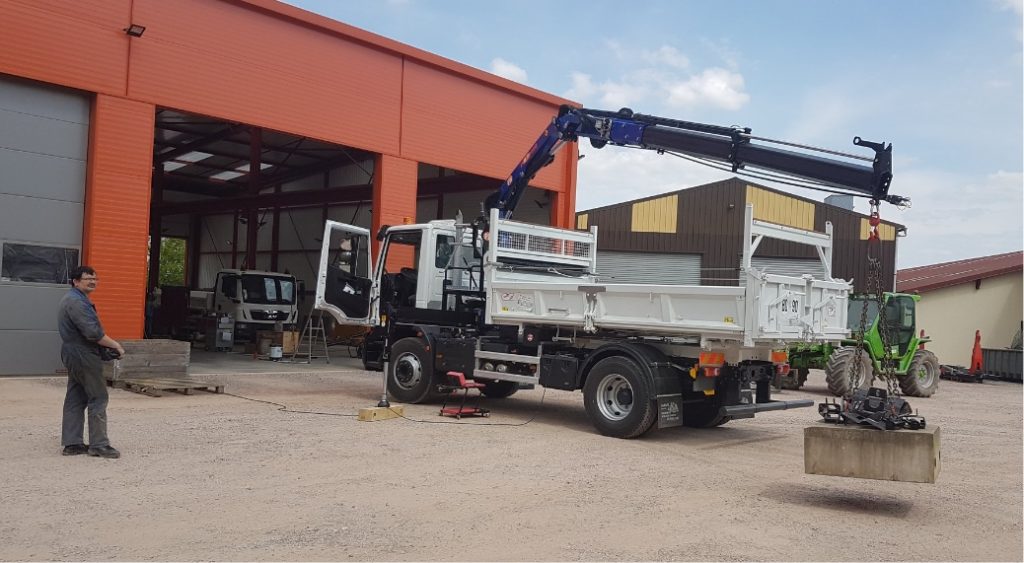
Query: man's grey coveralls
{"type": "Point", "coordinates": [80, 329]}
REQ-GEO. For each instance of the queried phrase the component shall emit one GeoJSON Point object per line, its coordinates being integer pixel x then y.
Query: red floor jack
{"type": "Point", "coordinates": [459, 382]}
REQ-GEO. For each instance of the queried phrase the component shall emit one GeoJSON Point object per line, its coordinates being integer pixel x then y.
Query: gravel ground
{"type": "Point", "coordinates": [217, 477]}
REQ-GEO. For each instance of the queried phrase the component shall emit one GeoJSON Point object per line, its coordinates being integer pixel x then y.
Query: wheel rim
{"type": "Point", "coordinates": [614, 397]}
{"type": "Point", "coordinates": [861, 369]}
{"type": "Point", "coordinates": [925, 375]}
{"type": "Point", "coordinates": [408, 371]}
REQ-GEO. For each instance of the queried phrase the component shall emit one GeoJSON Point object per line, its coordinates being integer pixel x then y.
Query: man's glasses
{"type": "Point", "coordinates": [89, 279]}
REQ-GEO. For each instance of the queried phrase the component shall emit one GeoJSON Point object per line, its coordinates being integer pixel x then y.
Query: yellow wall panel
{"type": "Point", "coordinates": [885, 232]}
{"type": "Point", "coordinates": [781, 209]}
{"type": "Point", "coordinates": [582, 221]}
{"type": "Point", "coordinates": [656, 215]}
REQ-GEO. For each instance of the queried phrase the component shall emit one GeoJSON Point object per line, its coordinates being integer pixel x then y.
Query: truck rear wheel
{"type": "Point", "coordinates": [922, 378]}
{"type": "Point", "coordinates": [411, 371]}
{"type": "Point", "coordinates": [841, 378]}
{"type": "Point", "coordinates": [619, 399]}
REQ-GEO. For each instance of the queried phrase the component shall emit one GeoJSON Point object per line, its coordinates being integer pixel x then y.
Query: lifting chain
{"type": "Point", "coordinates": [875, 288]}
{"type": "Point", "coordinates": [875, 407]}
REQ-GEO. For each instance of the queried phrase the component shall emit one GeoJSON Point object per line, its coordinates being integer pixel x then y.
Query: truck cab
{"type": "Point", "coordinates": [256, 300]}
{"type": "Point", "coordinates": [347, 287]}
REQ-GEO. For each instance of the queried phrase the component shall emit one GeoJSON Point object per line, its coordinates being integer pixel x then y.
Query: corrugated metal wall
{"type": "Point", "coordinates": [710, 223]}
{"type": "Point", "coordinates": [117, 210]}
{"type": "Point", "coordinates": [235, 60]}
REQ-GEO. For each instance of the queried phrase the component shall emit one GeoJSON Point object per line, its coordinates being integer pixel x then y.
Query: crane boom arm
{"type": "Point", "coordinates": [731, 145]}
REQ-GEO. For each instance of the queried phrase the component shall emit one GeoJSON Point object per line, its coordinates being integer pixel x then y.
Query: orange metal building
{"type": "Point", "coordinates": [273, 66]}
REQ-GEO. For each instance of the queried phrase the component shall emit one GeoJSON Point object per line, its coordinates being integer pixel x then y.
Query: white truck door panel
{"type": "Point", "coordinates": [345, 287]}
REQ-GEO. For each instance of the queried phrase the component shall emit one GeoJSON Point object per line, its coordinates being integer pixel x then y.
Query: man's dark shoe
{"type": "Point", "coordinates": [75, 449]}
{"type": "Point", "coordinates": [104, 451]}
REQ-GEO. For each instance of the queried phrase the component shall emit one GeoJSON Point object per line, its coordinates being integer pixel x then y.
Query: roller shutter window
{"type": "Point", "coordinates": [44, 137]}
{"type": "Point", "coordinates": [648, 268]}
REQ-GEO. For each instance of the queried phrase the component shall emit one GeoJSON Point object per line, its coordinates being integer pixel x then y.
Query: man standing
{"type": "Point", "coordinates": [82, 333]}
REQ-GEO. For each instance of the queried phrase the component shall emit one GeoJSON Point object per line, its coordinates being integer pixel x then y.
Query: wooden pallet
{"type": "Point", "coordinates": [155, 386]}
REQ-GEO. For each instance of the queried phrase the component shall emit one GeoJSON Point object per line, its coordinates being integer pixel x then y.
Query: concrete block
{"type": "Point", "coordinates": [381, 413]}
{"type": "Point", "coordinates": [867, 453]}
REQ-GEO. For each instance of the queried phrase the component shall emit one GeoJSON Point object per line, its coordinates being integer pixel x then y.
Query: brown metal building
{"type": "Point", "coordinates": [695, 236]}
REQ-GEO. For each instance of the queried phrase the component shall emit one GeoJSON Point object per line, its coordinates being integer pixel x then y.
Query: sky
{"type": "Point", "coordinates": [939, 79]}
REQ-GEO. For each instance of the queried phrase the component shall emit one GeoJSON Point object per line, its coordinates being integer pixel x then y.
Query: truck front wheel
{"type": "Point", "coordinates": [499, 389]}
{"type": "Point", "coordinates": [619, 399]}
{"type": "Point", "coordinates": [922, 379]}
{"type": "Point", "coordinates": [410, 371]}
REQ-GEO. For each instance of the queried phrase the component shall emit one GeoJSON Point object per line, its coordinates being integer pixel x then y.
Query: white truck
{"type": "Point", "coordinates": [509, 304]}
{"type": "Point", "coordinates": [256, 300]}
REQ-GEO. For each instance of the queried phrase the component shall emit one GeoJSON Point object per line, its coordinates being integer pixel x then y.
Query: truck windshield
{"type": "Point", "coordinates": [855, 310]}
{"type": "Point", "coordinates": [268, 290]}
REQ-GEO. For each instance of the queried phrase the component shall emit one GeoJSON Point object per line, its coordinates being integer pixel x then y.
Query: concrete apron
{"type": "Point", "coordinates": [205, 363]}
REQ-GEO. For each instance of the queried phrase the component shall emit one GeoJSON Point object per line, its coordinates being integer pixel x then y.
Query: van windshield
{"type": "Point", "coordinates": [268, 290]}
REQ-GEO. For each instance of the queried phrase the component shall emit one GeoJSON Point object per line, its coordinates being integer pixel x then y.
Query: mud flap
{"type": "Point", "coordinates": [670, 411]}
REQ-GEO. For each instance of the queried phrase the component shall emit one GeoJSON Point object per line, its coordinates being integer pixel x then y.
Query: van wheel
{"type": "Point", "coordinates": [619, 398]}
{"type": "Point", "coordinates": [411, 371]}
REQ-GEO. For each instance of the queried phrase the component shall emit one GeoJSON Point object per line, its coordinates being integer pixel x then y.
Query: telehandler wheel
{"type": "Point", "coordinates": [922, 378]}
{"type": "Point", "coordinates": [838, 373]}
{"type": "Point", "coordinates": [795, 379]}
{"type": "Point", "coordinates": [411, 371]}
{"type": "Point", "coordinates": [619, 398]}
{"type": "Point", "coordinates": [499, 389]}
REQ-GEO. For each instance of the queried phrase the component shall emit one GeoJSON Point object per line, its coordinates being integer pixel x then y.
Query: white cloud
{"type": "Point", "coordinates": [614, 174]}
{"type": "Point", "coordinates": [1012, 5]}
{"type": "Point", "coordinates": [715, 86]}
{"type": "Point", "coordinates": [656, 76]}
{"type": "Point", "coordinates": [955, 217]}
{"type": "Point", "coordinates": [608, 94]}
{"type": "Point", "coordinates": [509, 70]}
{"type": "Point", "coordinates": [666, 55]}
{"type": "Point", "coordinates": [827, 110]}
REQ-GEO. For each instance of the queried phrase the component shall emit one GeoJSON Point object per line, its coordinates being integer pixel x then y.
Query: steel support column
{"type": "Point", "coordinates": [252, 227]}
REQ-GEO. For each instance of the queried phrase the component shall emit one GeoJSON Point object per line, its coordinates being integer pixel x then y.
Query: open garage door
{"type": "Point", "coordinates": [44, 137]}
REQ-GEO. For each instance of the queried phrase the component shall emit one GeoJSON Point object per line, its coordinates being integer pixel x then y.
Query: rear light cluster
{"type": "Point", "coordinates": [781, 361]}
{"type": "Point", "coordinates": [711, 363]}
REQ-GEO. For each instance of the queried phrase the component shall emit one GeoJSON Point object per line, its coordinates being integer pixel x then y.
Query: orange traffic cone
{"type": "Point", "coordinates": [976, 354]}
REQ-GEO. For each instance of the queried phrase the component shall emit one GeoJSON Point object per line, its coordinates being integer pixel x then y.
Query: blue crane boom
{"type": "Point", "coordinates": [731, 145]}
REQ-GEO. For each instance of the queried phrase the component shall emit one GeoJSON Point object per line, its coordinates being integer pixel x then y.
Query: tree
{"type": "Point", "coordinates": [172, 261]}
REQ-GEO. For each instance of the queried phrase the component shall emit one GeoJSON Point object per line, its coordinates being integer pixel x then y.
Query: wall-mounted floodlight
{"type": "Point", "coordinates": [135, 30]}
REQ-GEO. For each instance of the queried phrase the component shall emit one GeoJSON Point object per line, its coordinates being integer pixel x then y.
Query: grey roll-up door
{"type": "Point", "coordinates": [787, 267]}
{"type": "Point", "coordinates": [648, 268]}
{"type": "Point", "coordinates": [44, 137]}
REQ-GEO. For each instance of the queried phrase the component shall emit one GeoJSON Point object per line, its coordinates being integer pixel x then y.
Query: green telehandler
{"type": "Point", "coordinates": [916, 369]}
